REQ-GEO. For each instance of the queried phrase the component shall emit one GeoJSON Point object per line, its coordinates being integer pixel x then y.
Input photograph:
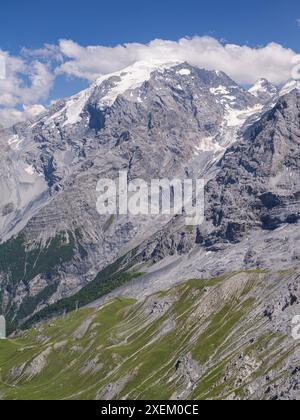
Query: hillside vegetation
{"type": "Point", "coordinates": [216, 339]}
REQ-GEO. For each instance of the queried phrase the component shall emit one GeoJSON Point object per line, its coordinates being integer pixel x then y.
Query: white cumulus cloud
{"type": "Point", "coordinates": [25, 83]}
{"type": "Point", "coordinates": [243, 63]}
{"type": "Point", "coordinates": [31, 75]}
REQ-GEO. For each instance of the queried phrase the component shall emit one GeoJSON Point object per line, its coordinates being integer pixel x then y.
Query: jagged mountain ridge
{"type": "Point", "coordinates": [44, 153]}
{"type": "Point", "coordinates": [289, 87]}
{"type": "Point", "coordinates": [86, 113]}
{"type": "Point", "coordinates": [264, 90]}
{"type": "Point", "coordinates": [255, 188]}
{"type": "Point", "coordinates": [194, 116]}
{"type": "Point", "coordinates": [51, 165]}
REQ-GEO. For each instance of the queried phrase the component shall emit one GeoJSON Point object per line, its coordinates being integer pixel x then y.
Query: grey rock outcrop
{"type": "Point", "coordinates": [177, 121]}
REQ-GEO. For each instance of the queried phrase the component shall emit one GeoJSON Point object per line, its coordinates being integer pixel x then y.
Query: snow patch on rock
{"type": "Point", "coordinates": [207, 144]}
{"type": "Point", "coordinates": [15, 142]}
{"type": "Point", "coordinates": [75, 106]}
{"type": "Point", "coordinates": [30, 170]}
{"type": "Point", "coordinates": [237, 117]}
{"type": "Point", "coordinates": [184, 72]}
{"type": "Point", "coordinates": [220, 90]}
{"type": "Point", "coordinates": [130, 78]}
{"type": "Point", "coordinates": [289, 87]}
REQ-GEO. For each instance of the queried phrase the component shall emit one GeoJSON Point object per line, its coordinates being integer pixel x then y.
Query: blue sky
{"type": "Point", "coordinates": [70, 65]}
{"type": "Point", "coordinates": [31, 23]}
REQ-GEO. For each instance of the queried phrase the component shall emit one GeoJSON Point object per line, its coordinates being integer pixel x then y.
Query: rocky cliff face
{"type": "Point", "coordinates": [252, 195]}
{"type": "Point", "coordinates": [232, 333]}
{"type": "Point", "coordinates": [154, 120]}
{"type": "Point", "coordinates": [258, 182]}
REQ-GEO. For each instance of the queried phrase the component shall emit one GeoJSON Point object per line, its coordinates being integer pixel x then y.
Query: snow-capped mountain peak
{"type": "Point", "coordinates": [290, 86]}
{"type": "Point", "coordinates": [129, 78]}
{"type": "Point", "coordinates": [264, 90]}
{"type": "Point", "coordinates": [229, 98]}
{"type": "Point", "coordinates": [110, 86]}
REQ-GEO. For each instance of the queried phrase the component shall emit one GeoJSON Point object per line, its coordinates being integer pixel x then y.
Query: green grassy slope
{"type": "Point", "coordinates": [200, 340]}
{"type": "Point", "coordinates": [21, 262]}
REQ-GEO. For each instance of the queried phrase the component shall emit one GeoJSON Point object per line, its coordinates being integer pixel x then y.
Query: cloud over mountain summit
{"type": "Point", "coordinates": [32, 74]}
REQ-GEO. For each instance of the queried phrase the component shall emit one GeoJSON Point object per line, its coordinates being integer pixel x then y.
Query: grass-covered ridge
{"type": "Point", "coordinates": [201, 340]}
{"type": "Point", "coordinates": [107, 280]}
{"type": "Point", "coordinates": [22, 262]}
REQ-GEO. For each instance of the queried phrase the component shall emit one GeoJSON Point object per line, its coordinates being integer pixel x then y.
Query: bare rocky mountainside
{"type": "Point", "coordinates": [131, 275]}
